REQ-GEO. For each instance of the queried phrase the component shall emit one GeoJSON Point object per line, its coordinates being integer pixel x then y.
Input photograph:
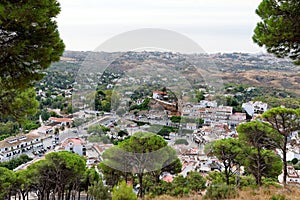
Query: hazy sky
{"type": "Point", "coordinates": [216, 25]}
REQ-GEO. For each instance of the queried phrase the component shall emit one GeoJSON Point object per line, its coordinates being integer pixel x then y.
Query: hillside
{"type": "Point", "coordinates": [255, 70]}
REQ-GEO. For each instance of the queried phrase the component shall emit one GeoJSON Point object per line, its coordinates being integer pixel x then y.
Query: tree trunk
{"type": "Point", "coordinates": [68, 195]}
{"type": "Point", "coordinates": [226, 173]}
{"type": "Point", "coordinates": [284, 161]}
{"type": "Point", "coordinates": [48, 195]}
{"type": "Point", "coordinates": [258, 180]}
{"type": "Point", "coordinates": [140, 193]}
{"type": "Point", "coordinates": [23, 195]}
{"type": "Point", "coordinates": [63, 193]}
{"type": "Point", "coordinates": [9, 194]}
{"type": "Point", "coordinates": [87, 188]}
{"type": "Point", "coordinates": [79, 194]}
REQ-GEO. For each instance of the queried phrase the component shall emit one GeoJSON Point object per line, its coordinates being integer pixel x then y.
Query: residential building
{"type": "Point", "coordinates": [75, 145]}
{"type": "Point", "coordinates": [159, 94]}
{"type": "Point", "coordinates": [61, 121]}
{"type": "Point", "coordinates": [191, 126]}
{"type": "Point", "coordinates": [45, 129]}
{"type": "Point", "coordinates": [257, 107]}
{"type": "Point", "coordinates": [15, 145]}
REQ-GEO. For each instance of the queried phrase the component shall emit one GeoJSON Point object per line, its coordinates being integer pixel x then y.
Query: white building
{"type": "Point", "coordinates": [191, 126]}
{"type": "Point", "coordinates": [16, 145]}
{"type": "Point", "coordinates": [45, 129]}
{"type": "Point", "coordinates": [256, 107]}
{"type": "Point", "coordinates": [293, 177]}
{"type": "Point", "coordinates": [61, 121]}
{"type": "Point", "coordinates": [159, 94]}
{"type": "Point", "coordinates": [75, 145]}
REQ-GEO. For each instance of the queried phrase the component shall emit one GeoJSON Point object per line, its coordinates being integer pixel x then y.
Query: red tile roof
{"type": "Point", "coordinates": [159, 92]}
{"type": "Point", "coordinates": [55, 119]}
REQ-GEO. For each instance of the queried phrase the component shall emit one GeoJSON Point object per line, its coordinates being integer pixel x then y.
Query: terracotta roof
{"type": "Point", "coordinates": [55, 119]}
{"type": "Point", "coordinates": [168, 178]}
{"type": "Point", "coordinates": [292, 173]}
{"type": "Point", "coordinates": [159, 92]}
{"type": "Point", "coordinates": [75, 141]}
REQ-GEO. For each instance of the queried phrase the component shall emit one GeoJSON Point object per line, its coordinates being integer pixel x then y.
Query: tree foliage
{"type": "Point", "coordinates": [18, 104]}
{"type": "Point", "coordinates": [256, 135]}
{"type": "Point", "coordinates": [15, 162]}
{"type": "Point", "coordinates": [7, 177]}
{"type": "Point", "coordinates": [98, 191]}
{"type": "Point", "coordinates": [59, 171]}
{"type": "Point", "coordinates": [279, 29]}
{"type": "Point", "coordinates": [29, 42]}
{"type": "Point", "coordinates": [230, 152]}
{"type": "Point", "coordinates": [283, 121]}
{"type": "Point", "coordinates": [99, 129]}
{"type": "Point", "coordinates": [141, 153]}
{"type": "Point", "coordinates": [123, 192]}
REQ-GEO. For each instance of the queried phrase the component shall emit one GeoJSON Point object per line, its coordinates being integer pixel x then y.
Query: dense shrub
{"type": "Point", "coordinates": [222, 191]}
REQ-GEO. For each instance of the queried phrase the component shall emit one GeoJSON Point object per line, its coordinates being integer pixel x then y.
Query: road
{"type": "Point", "coordinates": [80, 131]}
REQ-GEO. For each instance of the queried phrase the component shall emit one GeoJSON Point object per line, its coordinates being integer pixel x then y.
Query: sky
{"type": "Point", "coordinates": [215, 25]}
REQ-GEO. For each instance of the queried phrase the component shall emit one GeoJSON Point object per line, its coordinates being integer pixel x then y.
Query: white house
{"type": "Point", "coordinates": [191, 126]}
{"type": "Point", "coordinates": [61, 121]}
{"type": "Point", "coordinates": [45, 129]}
{"type": "Point", "coordinates": [256, 107]}
{"type": "Point", "coordinates": [16, 145]}
{"type": "Point", "coordinates": [158, 94]}
{"type": "Point", "coordinates": [237, 118]}
{"type": "Point", "coordinates": [75, 145]}
{"type": "Point", "coordinates": [293, 176]}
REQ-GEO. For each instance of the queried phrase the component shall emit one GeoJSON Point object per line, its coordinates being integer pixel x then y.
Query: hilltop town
{"type": "Point", "coordinates": [181, 97]}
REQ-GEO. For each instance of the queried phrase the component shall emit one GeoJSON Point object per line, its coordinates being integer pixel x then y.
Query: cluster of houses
{"type": "Point", "coordinates": [211, 113]}
{"type": "Point", "coordinates": [16, 145]}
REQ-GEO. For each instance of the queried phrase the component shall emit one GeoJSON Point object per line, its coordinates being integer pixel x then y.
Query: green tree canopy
{"type": "Point", "coordinates": [29, 43]}
{"type": "Point", "coordinates": [7, 178]}
{"type": "Point", "coordinates": [123, 192]}
{"type": "Point", "coordinates": [141, 153]}
{"type": "Point", "coordinates": [18, 104]}
{"type": "Point", "coordinates": [255, 134]}
{"type": "Point", "coordinates": [279, 29]}
{"type": "Point", "coordinates": [29, 40]}
{"type": "Point", "coordinates": [230, 152]}
{"type": "Point", "coordinates": [98, 191]}
{"type": "Point", "coordinates": [56, 172]}
{"type": "Point", "coordinates": [283, 121]}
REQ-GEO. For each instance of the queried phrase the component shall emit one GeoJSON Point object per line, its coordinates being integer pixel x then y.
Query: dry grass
{"type": "Point", "coordinates": [291, 193]}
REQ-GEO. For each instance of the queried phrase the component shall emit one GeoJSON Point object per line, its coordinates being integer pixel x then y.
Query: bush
{"type": "Point", "coordinates": [103, 139]}
{"type": "Point", "coordinates": [222, 191]}
{"type": "Point", "coordinates": [270, 182]}
{"type": "Point", "coordinates": [182, 141]}
{"type": "Point", "coordinates": [16, 162]}
{"type": "Point", "coordinates": [278, 197]}
{"type": "Point", "coordinates": [295, 161]}
{"type": "Point", "coordinates": [123, 192]}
